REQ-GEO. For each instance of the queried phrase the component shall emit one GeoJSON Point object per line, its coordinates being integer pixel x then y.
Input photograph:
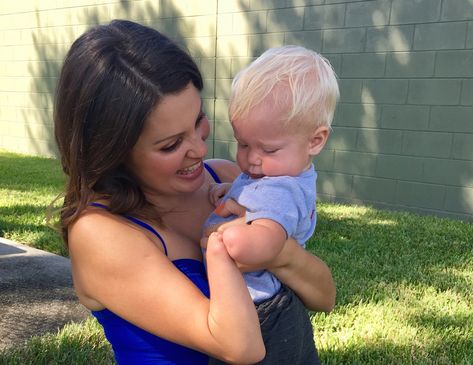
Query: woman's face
{"type": "Point", "coordinates": [167, 158]}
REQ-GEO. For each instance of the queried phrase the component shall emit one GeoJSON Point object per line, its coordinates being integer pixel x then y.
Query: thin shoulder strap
{"type": "Point", "coordinates": [140, 223]}
{"type": "Point", "coordinates": [212, 173]}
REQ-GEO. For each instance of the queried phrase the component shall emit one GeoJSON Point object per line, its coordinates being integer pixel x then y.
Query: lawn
{"type": "Point", "coordinates": [405, 282]}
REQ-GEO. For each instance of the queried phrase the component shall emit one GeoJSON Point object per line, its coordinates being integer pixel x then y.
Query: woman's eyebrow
{"type": "Point", "coordinates": [180, 133]}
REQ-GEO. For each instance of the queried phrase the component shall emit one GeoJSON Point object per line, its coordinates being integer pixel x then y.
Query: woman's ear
{"type": "Point", "coordinates": [317, 140]}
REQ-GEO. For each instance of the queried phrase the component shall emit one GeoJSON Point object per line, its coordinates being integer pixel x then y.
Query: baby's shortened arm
{"type": "Point", "coordinates": [255, 243]}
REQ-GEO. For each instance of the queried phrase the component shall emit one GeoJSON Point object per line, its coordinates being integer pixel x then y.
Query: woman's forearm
{"type": "Point", "coordinates": [232, 316]}
{"type": "Point", "coordinates": [307, 275]}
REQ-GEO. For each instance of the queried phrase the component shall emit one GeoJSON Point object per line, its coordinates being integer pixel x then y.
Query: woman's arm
{"type": "Point", "coordinates": [307, 275]}
{"type": "Point", "coordinates": [122, 269]}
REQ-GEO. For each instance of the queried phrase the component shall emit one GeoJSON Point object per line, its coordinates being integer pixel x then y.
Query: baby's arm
{"type": "Point", "coordinates": [256, 243]}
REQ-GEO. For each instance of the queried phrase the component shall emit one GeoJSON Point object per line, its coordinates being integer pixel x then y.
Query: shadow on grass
{"type": "Point", "coordinates": [26, 173]}
{"type": "Point", "coordinates": [78, 344]}
{"type": "Point", "coordinates": [373, 253]}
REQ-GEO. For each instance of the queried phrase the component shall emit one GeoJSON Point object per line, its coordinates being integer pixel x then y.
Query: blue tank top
{"type": "Point", "coordinates": [135, 346]}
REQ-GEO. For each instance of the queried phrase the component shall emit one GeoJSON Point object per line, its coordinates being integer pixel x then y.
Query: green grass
{"type": "Point", "coordinates": [405, 282]}
{"type": "Point", "coordinates": [27, 187]}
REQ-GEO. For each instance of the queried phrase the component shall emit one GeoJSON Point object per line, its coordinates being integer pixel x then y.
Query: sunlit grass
{"type": "Point", "coordinates": [78, 344]}
{"type": "Point", "coordinates": [404, 282]}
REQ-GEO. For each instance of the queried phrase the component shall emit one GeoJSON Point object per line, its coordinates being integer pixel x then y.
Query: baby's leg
{"type": "Point", "coordinates": [287, 331]}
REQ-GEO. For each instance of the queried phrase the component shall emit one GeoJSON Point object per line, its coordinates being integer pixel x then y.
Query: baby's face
{"type": "Point", "coordinates": [266, 147]}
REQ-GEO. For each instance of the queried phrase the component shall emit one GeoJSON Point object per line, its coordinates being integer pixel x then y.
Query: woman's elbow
{"type": "Point", "coordinates": [245, 354]}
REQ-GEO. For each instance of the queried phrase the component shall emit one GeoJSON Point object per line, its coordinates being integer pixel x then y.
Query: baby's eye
{"type": "Point", "coordinates": [269, 151]}
{"type": "Point", "coordinates": [242, 145]}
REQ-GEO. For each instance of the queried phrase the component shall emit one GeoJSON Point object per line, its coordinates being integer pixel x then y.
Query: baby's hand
{"type": "Point", "coordinates": [217, 192]}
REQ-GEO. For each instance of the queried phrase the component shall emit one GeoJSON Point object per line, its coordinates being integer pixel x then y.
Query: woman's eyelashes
{"type": "Point", "coordinates": [173, 146]}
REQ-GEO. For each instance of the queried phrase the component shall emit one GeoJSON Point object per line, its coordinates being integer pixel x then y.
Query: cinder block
{"type": "Point", "coordinates": [350, 90]}
{"type": "Point", "coordinates": [220, 149]}
{"type": "Point", "coordinates": [356, 163]}
{"type": "Point", "coordinates": [324, 16]}
{"type": "Point", "coordinates": [454, 64]}
{"type": "Point", "coordinates": [467, 92]}
{"type": "Point", "coordinates": [221, 110]}
{"type": "Point", "coordinates": [224, 131]}
{"type": "Point", "coordinates": [230, 6]}
{"type": "Point", "coordinates": [379, 141]}
{"type": "Point", "coordinates": [207, 67]}
{"type": "Point", "coordinates": [334, 184]}
{"type": "Point", "coordinates": [418, 11]}
{"type": "Point", "coordinates": [434, 92]}
{"type": "Point", "coordinates": [411, 117]}
{"type": "Point", "coordinates": [225, 24]}
{"type": "Point", "coordinates": [374, 189]}
{"type": "Point", "coordinates": [292, 3]}
{"type": "Point", "coordinates": [440, 36]}
{"type": "Point", "coordinates": [420, 195]}
{"type": "Point", "coordinates": [209, 89]}
{"type": "Point", "coordinates": [308, 39]}
{"type": "Point", "coordinates": [457, 10]}
{"type": "Point", "coordinates": [427, 144]}
{"type": "Point", "coordinates": [342, 1]}
{"type": "Point", "coordinates": [261, 42]}
{"type": "Point", "coordinates": [452, 119]}
{"type": "Point", "coordinates": [336, 62]}
{"type": "Point", "coordinates": [266, 4]}
{"type": "Point", "coordinates": [469, 37]}
{"type": "Point", "coordinates": [449, 172]}
{"type": "Point", "coordinates": [463, 146]}
{"type": "Point", "coordinates": [381, 39]}
{"type": "Point", "coordinates": [459, 200]}
{"type": "Point", "coordinates": [189, 7]}
{"type": "Point", "coordinates": [223, 68]}
{"type": "Point", "coordinates": [284, 20]}
{"type": "Point", "coordinates": [410, 64]}
{"type": "Point", "coordinates": [232, 151]}
{"type": "Point", "coordinates": [232, 46]}
{"type": "Point", "coordinates": [249, 22]}
{"type": "Point", "coordinates": [368, 13]}
{"type": "Point", "coordinates": [344, 40]}
{"type": "Point", "coordinates": [357, 115]}
{"type": "Point", "coordinates": [238, 63]}
{"type": "Point", "coordinates": [399, 167]}
{"type": "Point", "coordinates": [342, 139]}
{"type": "Point", "coordinates": [363, 65]}
{"type": "Point", "coordinates": [386, 91]}
{"type": "Point", "coordinates": [324, 160]}
{"type": "Point", "coordinates": [223, 88]}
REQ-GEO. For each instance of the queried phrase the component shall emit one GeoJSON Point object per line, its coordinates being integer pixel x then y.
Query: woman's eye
{"type": "Point", "coordinates": [172, 146]}
{"type": "Point", "coordinates": [200, 118]}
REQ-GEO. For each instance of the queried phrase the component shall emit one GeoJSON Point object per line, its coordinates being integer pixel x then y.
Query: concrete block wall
{"type": "Point", "coordinates": [403, 131]}
{"type": "Point", "coordinates": [36, 34]}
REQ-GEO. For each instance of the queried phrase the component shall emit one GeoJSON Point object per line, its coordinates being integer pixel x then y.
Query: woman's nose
{"type": "Point", "coordinates": [198, 148]}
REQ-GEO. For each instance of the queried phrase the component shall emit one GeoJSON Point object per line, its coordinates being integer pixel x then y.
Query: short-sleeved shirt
{"type": "Point", "coordinates": [287, 200]}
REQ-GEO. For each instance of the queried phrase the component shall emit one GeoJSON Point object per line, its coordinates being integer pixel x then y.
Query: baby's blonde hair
{"type": "Point", "coordinates": [299, 80]}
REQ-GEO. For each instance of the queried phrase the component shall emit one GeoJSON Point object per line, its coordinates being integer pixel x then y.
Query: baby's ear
{"type": "Point", "coordinates": [317, 140]}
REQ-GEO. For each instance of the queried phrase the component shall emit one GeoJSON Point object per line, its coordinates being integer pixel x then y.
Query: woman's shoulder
{"type": "Point", "coordinates": [226, 170]}
{"type": "Point", "coordinates": [98, 229]}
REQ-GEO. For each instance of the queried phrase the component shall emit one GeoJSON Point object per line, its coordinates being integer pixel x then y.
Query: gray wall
{"type": "Point", "coordinates": [403, 131]}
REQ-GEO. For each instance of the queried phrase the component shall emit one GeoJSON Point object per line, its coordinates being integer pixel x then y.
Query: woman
{"type": "Point", "coordinates": [131, 134]}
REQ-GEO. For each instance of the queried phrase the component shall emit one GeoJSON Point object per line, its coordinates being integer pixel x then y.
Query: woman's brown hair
{"type": "Point", "coordinates": [112, 78]}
